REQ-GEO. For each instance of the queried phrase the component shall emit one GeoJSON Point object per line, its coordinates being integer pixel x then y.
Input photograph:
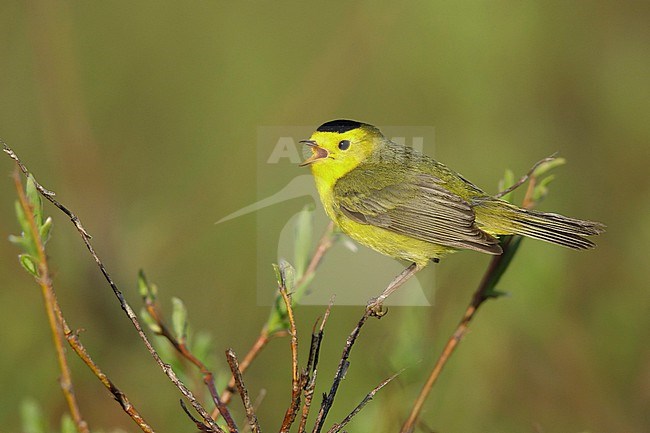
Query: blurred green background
{"type": "Point", "coordinates": [143, 117]}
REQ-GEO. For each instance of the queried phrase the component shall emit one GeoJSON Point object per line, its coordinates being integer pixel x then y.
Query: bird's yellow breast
{"type": "Point", "coordinates": [381, 240]}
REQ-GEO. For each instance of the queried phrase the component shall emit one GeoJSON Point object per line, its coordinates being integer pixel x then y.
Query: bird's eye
{"type": "Point", "coordinates": [344, 144]}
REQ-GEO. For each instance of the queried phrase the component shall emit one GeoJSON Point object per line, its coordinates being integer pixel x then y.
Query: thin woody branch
{"type": "Point", "coordinates": [311, 370]}
{"type": "Point", "coordinates": [183, 350]}
{"type": "Point", "coordinates": [51, 306]}
{"type": "Point", "coordinates": [324, 244]}
{"type": "Point", "coordinates": [528, 176]}
{"type": "Point", "coordinates": [336, 428]}
{"type": "Point", "coordinates": [167, 370]}
{"type": "Point", "coordinates": [243, 392]}
{"type": "Point", "coordinates": [495, 269]}
{"type": "Point", "coordinates": [340, 373]}
{"type": "Point", "coordinates": [199, 425]}
{"type": "Point", "coordinates": [118, 395]}
{"type": "Point", "coordinates": [296, 378]}
{"type": "Point", "coordinates": [256, 348]}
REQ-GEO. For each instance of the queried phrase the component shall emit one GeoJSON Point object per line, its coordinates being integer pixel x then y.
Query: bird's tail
{"type": "Point", "coordinates": [502, 218]}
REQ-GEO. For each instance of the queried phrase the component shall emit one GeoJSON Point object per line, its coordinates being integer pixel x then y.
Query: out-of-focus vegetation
{"type": "Point", "coordinates": [143, 118]}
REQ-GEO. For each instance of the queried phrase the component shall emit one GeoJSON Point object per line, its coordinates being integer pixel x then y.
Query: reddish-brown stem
{"type": "Point", "coordinates": [260, 343]}
{"type": "Point", "coordinates": [311, 370]}
{"type": "Point", "coordinates": [120, 397]}
{"type": "Point", "coordinates": [336, 428]}
{"type": "Point", "coordinates": [480, 295]}
{"type": "Point", "coordinates": [181, 347]}
{"type": "Point", "coordinates": [243, 392]}
{"type": "Point", "coordinates": [296, 382]}
{"type": "Point", "coordinates": [85, 236]}
{"type": "Point", "coordinates": [51, 307]}
{"type": "Point", "coordinates": [328, 399]}
{"type": "Point", "coordinates": [324, 244]}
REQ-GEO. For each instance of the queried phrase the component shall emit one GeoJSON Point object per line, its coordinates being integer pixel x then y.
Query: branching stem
{"type": "Point", "coordinates": [85, 236]}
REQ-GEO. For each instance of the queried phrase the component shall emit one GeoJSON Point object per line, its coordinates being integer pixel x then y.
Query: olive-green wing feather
{"type": "Point", "coordinates": [415, 205]}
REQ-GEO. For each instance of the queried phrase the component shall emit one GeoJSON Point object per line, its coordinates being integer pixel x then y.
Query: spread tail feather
{"type": "Point", "coordinates": [502, 217]}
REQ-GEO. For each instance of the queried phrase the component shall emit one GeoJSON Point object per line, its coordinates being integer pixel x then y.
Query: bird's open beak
{"type": "Point", "coordinates": [318, 153]}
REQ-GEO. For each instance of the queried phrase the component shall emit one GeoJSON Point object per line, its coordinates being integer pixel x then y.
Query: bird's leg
{"type": "Point", "coordinates": [375, 304]}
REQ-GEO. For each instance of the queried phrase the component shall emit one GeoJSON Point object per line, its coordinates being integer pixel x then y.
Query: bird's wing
{"type": "Point", "coordinates": [417, 206]}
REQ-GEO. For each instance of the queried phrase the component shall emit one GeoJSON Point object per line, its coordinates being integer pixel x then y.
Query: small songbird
{"type": "Point", "coordinates": [408, 206]}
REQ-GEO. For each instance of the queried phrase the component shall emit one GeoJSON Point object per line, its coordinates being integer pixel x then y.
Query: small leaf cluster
{"type": "Point", "coordinates": [200, 344]}
{"type": "Point", "coordinates": [35, 231]}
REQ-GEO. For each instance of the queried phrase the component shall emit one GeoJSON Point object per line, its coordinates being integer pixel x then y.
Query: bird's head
{"type": "Point", "coordinates": [340, 146]}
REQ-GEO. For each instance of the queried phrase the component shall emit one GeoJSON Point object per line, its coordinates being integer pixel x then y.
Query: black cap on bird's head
{"type": "Point", "coordinates": [340, 126]}
{"type": "Point", "coordinates": [335, 137]}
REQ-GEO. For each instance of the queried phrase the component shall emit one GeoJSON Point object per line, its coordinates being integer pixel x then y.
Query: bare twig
{"type": "Point", "coordinates": [483, 292]}
{"type": "Point", "coordinates": [198, 423]}
{"type": "Point", "coordinates": [337, 427]}
{"type": "Point", "coordinates": [51, 306]}
{"type": "Point", "coordinates": [256, 404]}
{"type": "Point", "coordinates": [525, 177]}
{"type": "Point", "coordinates": [166, 368]}
{"type": "Point", "coordinates": [256, 348]}
{"type": "Point", "coordinates": [243, 392]}
{"type": "Point", "coordinates": [480, 295]}
{"type": "Point", "coordinates": [118, 395]}
{"type": "Point", "coordinates": [324, 244]}
{"type": "Point", "coordinates": [529, 200]}
{"type": "Point", "coordinates": [181, 347]}
{"type": "Point", "coordinates": [311, 370]}
{"type": "Point", "coordinates": [296, 378]}
{"type": "Point", "coordinates": [340, 373]}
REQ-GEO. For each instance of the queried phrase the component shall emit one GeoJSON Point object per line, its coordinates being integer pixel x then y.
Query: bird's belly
{"type": "Point", "coordinates": [381, 240]}
{"type": "Point", "coordinates": [392, 244]}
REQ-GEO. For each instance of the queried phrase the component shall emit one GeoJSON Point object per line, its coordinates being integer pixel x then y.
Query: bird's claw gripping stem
{"type": "Point", "coordinates": [375, 307]}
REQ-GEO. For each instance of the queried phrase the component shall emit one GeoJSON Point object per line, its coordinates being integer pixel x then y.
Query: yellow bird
{"type": "Point", "coordinates": [408, 206]}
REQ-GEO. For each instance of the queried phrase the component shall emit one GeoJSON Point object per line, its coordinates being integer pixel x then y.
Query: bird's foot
{"type": "Point", "coordinates": [375, 307]}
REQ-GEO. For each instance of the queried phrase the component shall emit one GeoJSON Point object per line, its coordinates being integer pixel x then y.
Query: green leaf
{"type": "Point", "coordinates": [541, 189]}
{"type": "Point", "coordinates": [32, 417]}
{"type": "Point", "coordinates": [45, 229]}
{"type": "Point", "coordinates": [34, 199]}
{"type": "Point", "coordinates": [201, 344]}
{"type": "Point", "coordinates": [278, 320]}
{"type": "Point", "coordinates": [27, 241]}
{"type": "Point", "coordinates": [146, 290]}
{"type": "Point", "coordinates": [17, 240]}
{"type": "Point", "coordinates": [302, 288]}
{"type": "Point", "coordinates": [67, 425]}
{"type": "Point", "coordinates": [21, 241]}
{"type": "Point", "coordinates": [20, 216]}
{"type": "Point", "coordinates": [143, 287]}
{"type": "Point", "coordinates": [29, 263]}
{"type": "Point", "coordinates": [148, 320]}
{"type": "Point", "coordinates": [179, 319]}
{"type": "Point", "coordinates": [278, 273]}
{"type": "Point", "coordinates": [505, 183]}
{"type": "Point", "coordinates": [303, 239]}
{"type": "Point", "coordinates": [168, 354]}
{"type": "Point", "coordinates": [288, 276]}
{"type": "Point", "coordinates": [26, 238]}
{"type": "Point", "coordinates": [545, 167]}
